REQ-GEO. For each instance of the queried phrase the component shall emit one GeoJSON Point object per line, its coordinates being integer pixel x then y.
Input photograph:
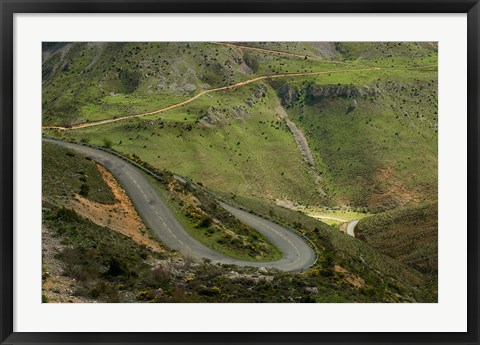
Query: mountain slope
{"type": "Point", "coordinates": [354, 127]}
{"type": "Point", "coordinates": [99, 264]}
{"type": "Point", "coordinates": [409, 235]}
{"type": "Point", "coordinates": [91, 81]}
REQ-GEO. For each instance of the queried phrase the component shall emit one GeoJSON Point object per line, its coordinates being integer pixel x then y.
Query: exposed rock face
{"type": "Point", "coordinates": [354, 104]}
{"type": "Point", "coordinates": [288, 95]}
{"type": "Point", "coordinates": [249, 102]}
{"type": "Point", "coordinates": [341, 91]}
{"type": "Point", "coordinates": [260, 91]}
{"type": "Point", "coordinates": [215, 116]}
{"type": "Point", "coordinates": [339, 48]}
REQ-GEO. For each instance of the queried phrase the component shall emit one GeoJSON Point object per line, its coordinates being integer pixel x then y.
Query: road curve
{"type": "Point", "coordinates": [351, 227]}
{"type": "Point", "coordinates": [297, 254]}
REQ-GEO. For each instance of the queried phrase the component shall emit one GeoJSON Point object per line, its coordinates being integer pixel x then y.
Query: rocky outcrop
{"type": "Point", "coordinates": [260, 91]}
{"type": "Point", "coordinates": [345, 91]}
{"type": "Point", "coordinates": [215, 116]}
{"type": "Point", "coordinates": [288, 95]}
{"type": "Point", "coordinates": [249, 102]}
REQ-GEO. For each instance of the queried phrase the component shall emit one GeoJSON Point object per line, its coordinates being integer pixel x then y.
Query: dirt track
{"type": "Point", "coordinates": [223, 88]}
{"type": "Point", "coordinates": [280, 53]}
{"type": "Point", "coordinates": [232, 86]}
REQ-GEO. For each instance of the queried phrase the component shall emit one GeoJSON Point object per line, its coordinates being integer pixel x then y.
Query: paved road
{"type": "Point", "coordinates": [351, 227]}
{"type": "Point", "coordinates": [297, 255]}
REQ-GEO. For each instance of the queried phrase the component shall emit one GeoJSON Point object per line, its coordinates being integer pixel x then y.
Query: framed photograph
{"type": "Point", "coordinates": [239, 172]}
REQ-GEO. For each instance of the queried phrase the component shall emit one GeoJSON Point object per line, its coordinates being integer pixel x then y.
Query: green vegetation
{"type": "Point", "coordinates": [333, 217]}
{"type": "Point", "coordinates": [66, 173]}
{"type": "Point", "coordinates": [325, 50]}
{"type": "Point", "coordinates": [210, 224]}
{"type": "Point", "coordinates": [369, 155]}
{"type": "Point", "coordinates": [409, 235]}
{"type": "Point", "coordinates": [93, 81]}
{"type": "Point", "coordinates": [372, 133]}
{"type": "Point", "coordinates": [236, 137]}
{"type": "Point", "coordinates": [230, 146]}
{"type": "Point", "coordinates": [386, 52]}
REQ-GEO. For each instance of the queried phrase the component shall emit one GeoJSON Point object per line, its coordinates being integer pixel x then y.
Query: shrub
{"type": "Point", "coordinates": [67, 215]}
{"type": "Point", "coordinates": [104, 291]}
{"type": "Point", "coordinates": [84, 189]}
{"type": "Point", "coordinates": [107, 143]}
{"type": "Point", "coordinates": [204, 222]}
{"type": "Point", "coordinates": [117, 267]}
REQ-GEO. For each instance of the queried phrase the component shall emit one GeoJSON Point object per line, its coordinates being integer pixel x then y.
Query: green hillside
{"type": "Point", "coordinates": [366, 156]}
{"type": "Point", "coordinates": [92, 81]}
{"type": "Point", "coordinates": [375, 142]}
{"type": "Point", "coordinates": [109, 267]}
{"type": "Point", "coordinates": [221, 142]}
{"type": "Point", "coordinates": [347, 126]}
{"type": "Point", "coordinates": [409, 235]}
{"type": "Point", "coordinates": [66, 173]}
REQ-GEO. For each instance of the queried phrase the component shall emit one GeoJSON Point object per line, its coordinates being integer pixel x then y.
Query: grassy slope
{"type": "Point", "coordinates": [409, 235]}
{"type": "Point", "coordinates": [63, 168]}
{"type": "Point", "coordinates": [382, 154]}
{"type": "Point", "coordinates": [234, 155]}
{"type": "Point", "coordinates": [387, 275]}
{"type": "Point", "coordinates": [381, 52]}
{"type": "Point", "coordinates": [324, 50]}
{"type": "Point", "coordinates": [65, 171]}
{"type": "Point", "coordinates": [88, 81]}
{"type": "Point", "coordinates": [92, 81]}
{"type": "Point", "coordinates": [383, 158]}
{"type": "Point", "coordinates": [129, 275]}
{"type": "Point", "coordinates": [384, 134]}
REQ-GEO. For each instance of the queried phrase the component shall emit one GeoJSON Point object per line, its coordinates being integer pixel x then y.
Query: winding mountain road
{"type": "Point", "coordinates": [297, 254]}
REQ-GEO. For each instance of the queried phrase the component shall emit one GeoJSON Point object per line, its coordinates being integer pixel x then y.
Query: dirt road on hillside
{"type": "Point", "coordinates": [223, 88]}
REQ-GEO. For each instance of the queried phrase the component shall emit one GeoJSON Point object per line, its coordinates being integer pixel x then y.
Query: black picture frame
{"type": "Point", "coordinates": [8, 8]}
